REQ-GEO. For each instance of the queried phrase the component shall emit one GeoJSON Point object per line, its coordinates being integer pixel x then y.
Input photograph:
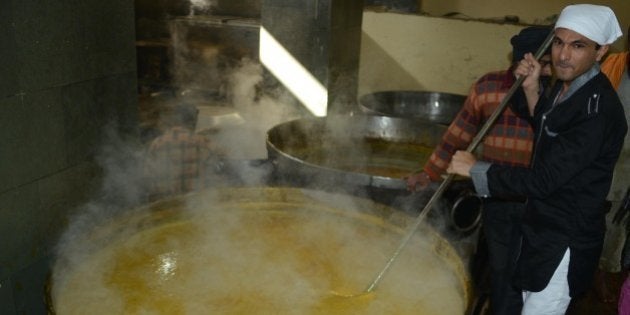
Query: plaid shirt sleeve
{"type": "Point", "coordinates": [457, 137]}
{"type": "Point", "coordinates": [508, 142]}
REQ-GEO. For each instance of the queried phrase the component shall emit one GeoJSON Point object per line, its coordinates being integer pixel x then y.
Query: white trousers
{"type": "Point", "coordinates": [554, 299]}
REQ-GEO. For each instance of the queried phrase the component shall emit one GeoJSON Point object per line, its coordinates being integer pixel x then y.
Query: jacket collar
{"type": "Point", "coordinates": [579, 82]}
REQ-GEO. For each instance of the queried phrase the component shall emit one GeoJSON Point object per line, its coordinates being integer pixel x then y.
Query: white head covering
{"type": "Point", "coordinates": [595, 22]}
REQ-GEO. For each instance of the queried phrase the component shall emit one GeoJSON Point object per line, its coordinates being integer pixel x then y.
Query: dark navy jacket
{"type": "Point", "coordinates": [577, 145]}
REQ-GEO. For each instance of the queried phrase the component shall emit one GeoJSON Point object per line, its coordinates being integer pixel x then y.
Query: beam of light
{"type": "Point", "coordinates": [292, 74]}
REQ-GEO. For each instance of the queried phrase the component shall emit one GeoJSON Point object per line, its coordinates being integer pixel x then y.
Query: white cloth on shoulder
{"type": "Point", "coordinates": [595, 22]}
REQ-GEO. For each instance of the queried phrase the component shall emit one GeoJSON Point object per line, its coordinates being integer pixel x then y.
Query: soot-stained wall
{"type": "Point", "coordinates": [67, 70]}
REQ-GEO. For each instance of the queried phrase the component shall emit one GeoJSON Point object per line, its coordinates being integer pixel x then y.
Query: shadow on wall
{"type": "Point", "coordinates": [374, 63]}
{"type": "Point", "coordinates": [409, 6]}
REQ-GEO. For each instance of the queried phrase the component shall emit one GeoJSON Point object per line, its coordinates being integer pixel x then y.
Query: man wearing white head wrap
{"type": "Point", "coordinates": [580, 128]}
{"type": "Point", "coordinates": [597, 23]}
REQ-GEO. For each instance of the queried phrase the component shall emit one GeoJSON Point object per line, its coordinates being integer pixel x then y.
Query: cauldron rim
{"type": "Point", "coordinates": [416, 104]}
{"type": "Point", "coordinates": [394, 129]}
{"type": "Point", "coordinates": [161, 211]}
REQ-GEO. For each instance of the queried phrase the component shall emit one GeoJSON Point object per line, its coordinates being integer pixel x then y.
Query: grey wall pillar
{"type": "Point", "coordinates": [325, 37]}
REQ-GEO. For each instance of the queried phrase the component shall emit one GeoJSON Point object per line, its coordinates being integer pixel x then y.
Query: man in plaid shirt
{"type": "Point", "coordinates": [508, 142]}
{"type": "Point", "coordinates": [177, 160]}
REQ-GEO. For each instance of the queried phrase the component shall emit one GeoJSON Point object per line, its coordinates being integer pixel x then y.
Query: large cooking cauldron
{"type": "Point", "coordinates": [369, 156]}
{"type": "Point", "coordinates": [355, 151]}
{"type": "Point", "coordinates": [435, 107]}
{"type": "Point", "coordinates": [256, 250]}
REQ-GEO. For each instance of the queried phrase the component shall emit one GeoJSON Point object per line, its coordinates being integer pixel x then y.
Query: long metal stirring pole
{"type": "Point", "coordinates": [473, 145]}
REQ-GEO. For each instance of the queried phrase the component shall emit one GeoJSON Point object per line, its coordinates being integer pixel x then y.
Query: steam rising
{"type": "Point", "coordinates": [201, 6]}
{"type": "Point", "coordinates": [217, 253]}
{"type": "Point", "coordinates": [209, 231]}
{"type": "Point", "coordinates": [261, 110]}
{"type": "Point", "coordinates": [123, 160]}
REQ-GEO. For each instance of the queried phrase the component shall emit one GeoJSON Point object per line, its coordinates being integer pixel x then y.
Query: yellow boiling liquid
{"type": "Point", "coordinates": [279, 261]}
{"type": "Point", "coordinates": [375, 157]}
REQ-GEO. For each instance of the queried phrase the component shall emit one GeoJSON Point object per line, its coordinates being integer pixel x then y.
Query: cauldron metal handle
{"type": "Point", "coordinates": [465, 212]}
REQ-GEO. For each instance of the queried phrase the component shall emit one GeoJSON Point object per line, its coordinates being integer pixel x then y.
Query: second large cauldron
{"type": "Point", "coordinates": [437, 107]}
{"type": "Point", "coordinates": [367, 155]}
{"type": "Point", "coordinates": [352, 151]}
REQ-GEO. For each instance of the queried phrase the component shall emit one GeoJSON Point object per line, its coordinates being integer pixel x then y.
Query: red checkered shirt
{"type": "Point", "coordinates": [508, 142]}
{"type": "Point", "coordinates": [176, 163]}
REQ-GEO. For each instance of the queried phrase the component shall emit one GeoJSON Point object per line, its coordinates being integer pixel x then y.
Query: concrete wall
{"type": "Point", "coordinates": [418, 52]}
{"type": "Point", "coordinates": [430, 52]}
{"type": "Point", "coordinates": [531, 11]}
{"type": "Point", "coordinates": [68, 69]}
{"type": "Point", "coordinates": [405, 51]}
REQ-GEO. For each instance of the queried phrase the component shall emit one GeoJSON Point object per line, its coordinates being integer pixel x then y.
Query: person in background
{"type": "Point", "coordinates": [509, 142]}
{"type": "Point", "coordinates": [177, 161]}
{"type": "Point", "coordinates": [580, 128]}
{"type": "Point", "coordinates": [615, 67]}
{"type": "Point", "coordinates": [616, 253]}
{"type": "Point", "coordinates": [623, 305]}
